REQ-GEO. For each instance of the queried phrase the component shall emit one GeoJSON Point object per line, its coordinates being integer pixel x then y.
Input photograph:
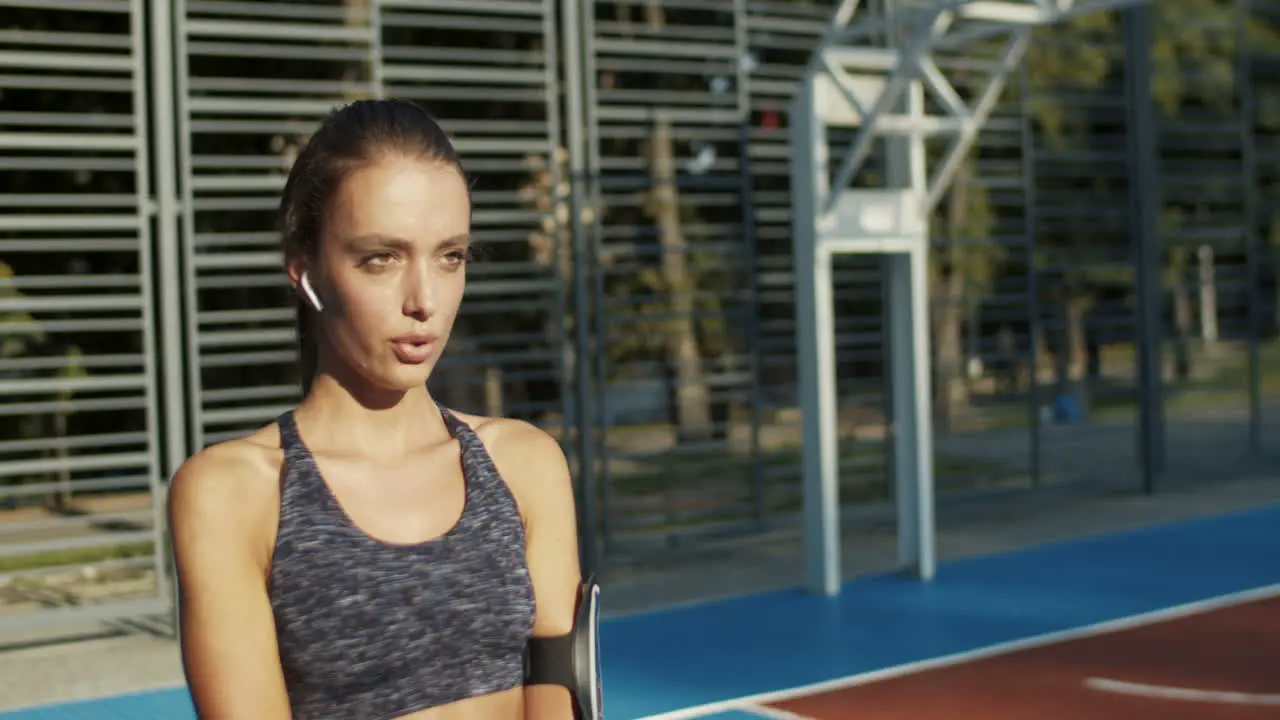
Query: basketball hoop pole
{"type": "Point", "coordinates": [880, 91]}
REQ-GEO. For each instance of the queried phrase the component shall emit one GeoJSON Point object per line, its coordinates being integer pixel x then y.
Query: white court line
{"type": "Point", "coordinates": [1164, 692]}
{"type": "Point", "coordinates": [746, 703]}
{"type": "Point", "coordinates": [774, 713]}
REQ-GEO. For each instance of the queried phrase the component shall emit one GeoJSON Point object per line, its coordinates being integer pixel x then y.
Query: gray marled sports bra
{"type": "Point", "coordinates": [372, 630]}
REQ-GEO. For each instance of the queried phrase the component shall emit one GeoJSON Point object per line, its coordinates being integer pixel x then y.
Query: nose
{"type": "Point", "coordinates": [419, 298]}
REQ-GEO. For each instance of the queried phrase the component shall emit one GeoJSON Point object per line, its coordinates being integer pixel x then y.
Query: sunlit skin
{"type": "Point", "coordinates": [391, 270]}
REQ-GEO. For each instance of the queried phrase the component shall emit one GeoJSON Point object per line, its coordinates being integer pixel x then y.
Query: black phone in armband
{"type": "Point", "coordinates": [572, 661]}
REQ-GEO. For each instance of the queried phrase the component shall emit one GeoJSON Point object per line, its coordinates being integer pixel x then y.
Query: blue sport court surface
{"type": "Point", "coordinates": [737, 658]}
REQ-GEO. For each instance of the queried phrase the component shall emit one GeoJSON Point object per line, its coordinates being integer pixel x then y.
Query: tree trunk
{"type": "Point", "coordinates": [1077, 350]}
{"type": "Point", "coordinates": [1208, 296]}
{"type": "Point", "coordinates": [684, 357]}
{"type": "Point", "coordinates": [1182, 316]}
{"type": "Point", "coordinates": [951, 392]}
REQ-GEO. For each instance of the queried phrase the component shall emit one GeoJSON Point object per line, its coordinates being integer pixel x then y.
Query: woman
{"type": "Point", "coordinates": [371, 554]}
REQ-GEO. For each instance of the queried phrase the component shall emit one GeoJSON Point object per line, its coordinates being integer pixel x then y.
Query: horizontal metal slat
{"type": "Point", "coordinates": [452, 94]}
{"type": "Point", "coordinates": [497, 7]}
{"type": "Point", "coordinates": [414, 54]}
{"type": "Point", "coordinates": [244, 358]}
{"type": "Point", "coordinates": [475, 23]}
{"type": "Point", "coordinates": [210, 339]}
{"type": "Point", "coordinates": [645, 114]}
{"type": "Point", "coordinates": [251, 127]}
{"type": "Point", "coordinates": [51, 327]}
{"type": "Point", "coordinates": [67, 141]}
{"type": "Point", "coordinates": [255, 280]}
{"type": "Point", "coordinates": [76, 200]}
{"type": "Point", "coordinates": [267, 203]}
{"type": "Point", "coordinates": [68, 245]}
{"type": "Point", "coordinates": [212, 240]}
{"type": "Point", "coordinates": [241, 260]}
{"type": "Point", "coordinates": [60, 362]}
{"type": "Point", "coordinates": [797, 43]}
{"type": "Point", "coordinates": [244, 415]}
{"type": "Point", "coordinates": [446, 74]}
{"type": "Point", "coordinates": [273, 164]}
{"type": "Point", "coordinates": [67, 82]}
{"type": "Point", "coordinates": [89, 223]}
{"type": "Point", "coordinates": [24, 36]}
{"type": "Point", "coordinates": [279, 86]}
{"type": "Point", "coordinates": [100, 120]}
{"type": "Point", "coordinates": [95, 383]}
{"type": "Point", "coordinates": [83, 62]}
{"type": "Point", "coordinates": [75, 463]}
{"type": "Point", "coordinates": [71, 303]}
{"type": "Point", "coordinates": [262, 51]}
{"type": "Point", "coordinates": [283, 393]}
{"type": "Point", "coordinates": [810, 28]}
{"type": "Point", "coordinates": [77, 281]}
{"type": "Point", "coordinates": [297, 10]}
{"type": "Point", "coordinates": [207, 318]}
{"type": "Point", "coordinates": [72, 164]}
{"type": "Point", "coordinates": [250, 106]}
{"type": "Point", "coordinates": [72, 406]}
{"type": "Point", "coordinates": [71, 442]}
{"type": "Point", "coordinates": [264, 183]}
{"type": "Point", "coordinates": [276, 30]}
{"type": "Point", "coordinates": [657, 49]}
{"type": "Point", "coordinates": [498, 146]}
{"type": "Point", "coordinates": [81, 484]}
{"type": "Point", "coordinates": [117, 6]}
{"type": "Point", "coordinates": [648, 98]}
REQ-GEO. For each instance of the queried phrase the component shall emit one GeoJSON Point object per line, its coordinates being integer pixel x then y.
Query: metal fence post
{"type": "Point", "coordinates": [168, 275]}
{"type": "Point", "coordinates": [584, 414]}
{"type": "Point", "coordinates": [1249, 187]}
{"type": "Point", "coordinates": [1143, 213]}
{"type": "Point", "coordinates": [1031, 222]}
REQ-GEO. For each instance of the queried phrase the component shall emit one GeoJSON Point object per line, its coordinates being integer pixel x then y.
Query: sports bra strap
{"type": "Point", "coordinates": [290, 440]}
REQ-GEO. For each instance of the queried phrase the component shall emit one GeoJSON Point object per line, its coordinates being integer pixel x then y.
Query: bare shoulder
{"type": "Point", "coordinates": [515, 439]}
{"type": "Point", "coordinates": [232, 486]}
{"type": "Point", "coordinates": [528, 457]}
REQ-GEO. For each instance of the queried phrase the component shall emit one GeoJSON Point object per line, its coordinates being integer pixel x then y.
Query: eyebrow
{"type": "Point", "coordinates": [399, 243]}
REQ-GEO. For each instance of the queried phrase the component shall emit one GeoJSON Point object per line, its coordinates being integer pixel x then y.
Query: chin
{"type": "Point", "coordinates": [404, 378]}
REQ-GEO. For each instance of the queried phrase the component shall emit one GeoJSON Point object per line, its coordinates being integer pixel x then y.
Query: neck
{"type": "Point", "coordinates": [343, 422]}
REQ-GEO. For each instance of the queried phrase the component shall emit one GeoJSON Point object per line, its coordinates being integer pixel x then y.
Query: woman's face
{"type": "Point", "coordinates": [391, 270]}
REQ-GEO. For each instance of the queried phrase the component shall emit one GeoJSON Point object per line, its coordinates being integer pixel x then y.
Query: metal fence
{"type": "Point", "coordinates": [78, 354]}
{"type": "Point", "coordinates": [635, 297]}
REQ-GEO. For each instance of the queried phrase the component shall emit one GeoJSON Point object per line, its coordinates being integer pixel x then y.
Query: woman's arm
{"type": "Point", "coordinates": [217, 514]}
{"type": "Point", "coordinates": [539, 477]}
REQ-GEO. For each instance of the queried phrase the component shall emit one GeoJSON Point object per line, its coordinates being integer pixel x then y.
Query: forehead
{"type": "Point", "coordinates": [420, 201]}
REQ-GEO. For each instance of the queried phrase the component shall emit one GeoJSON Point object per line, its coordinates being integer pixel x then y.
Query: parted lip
{"type": "Point", "coordinates": [415, 338]}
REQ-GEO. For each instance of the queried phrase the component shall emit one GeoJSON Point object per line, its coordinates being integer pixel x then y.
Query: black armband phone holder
{"type": "Point", "coordinates": [572, 661]}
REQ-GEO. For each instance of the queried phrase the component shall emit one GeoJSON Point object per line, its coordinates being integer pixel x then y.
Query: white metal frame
{"type": "Point", "coordinates": [881, 91]}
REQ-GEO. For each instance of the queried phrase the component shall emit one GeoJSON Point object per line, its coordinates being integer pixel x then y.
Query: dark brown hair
{"type": "Point", "coordinates": [351, 137]}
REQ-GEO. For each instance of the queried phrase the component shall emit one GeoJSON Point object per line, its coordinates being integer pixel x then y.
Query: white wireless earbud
{"type": "Point", "coordinates": [310, 292]}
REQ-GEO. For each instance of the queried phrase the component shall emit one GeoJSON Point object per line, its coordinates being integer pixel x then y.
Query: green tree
{"type": "Point", "coordinates": [1194, 72]}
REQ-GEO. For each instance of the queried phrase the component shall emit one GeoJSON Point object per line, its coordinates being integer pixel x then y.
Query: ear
{"type": "Point", "coordinates": [294, 268]}
{"type": "Point", "coordinates": [302, 284]}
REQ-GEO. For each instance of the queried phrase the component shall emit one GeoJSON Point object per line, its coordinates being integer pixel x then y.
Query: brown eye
{"type": "Point", "coordinates": [377, 260]}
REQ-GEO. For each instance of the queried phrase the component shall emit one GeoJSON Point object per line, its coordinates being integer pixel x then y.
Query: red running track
{"type": "Point", "coordinates": [1223, 663]}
